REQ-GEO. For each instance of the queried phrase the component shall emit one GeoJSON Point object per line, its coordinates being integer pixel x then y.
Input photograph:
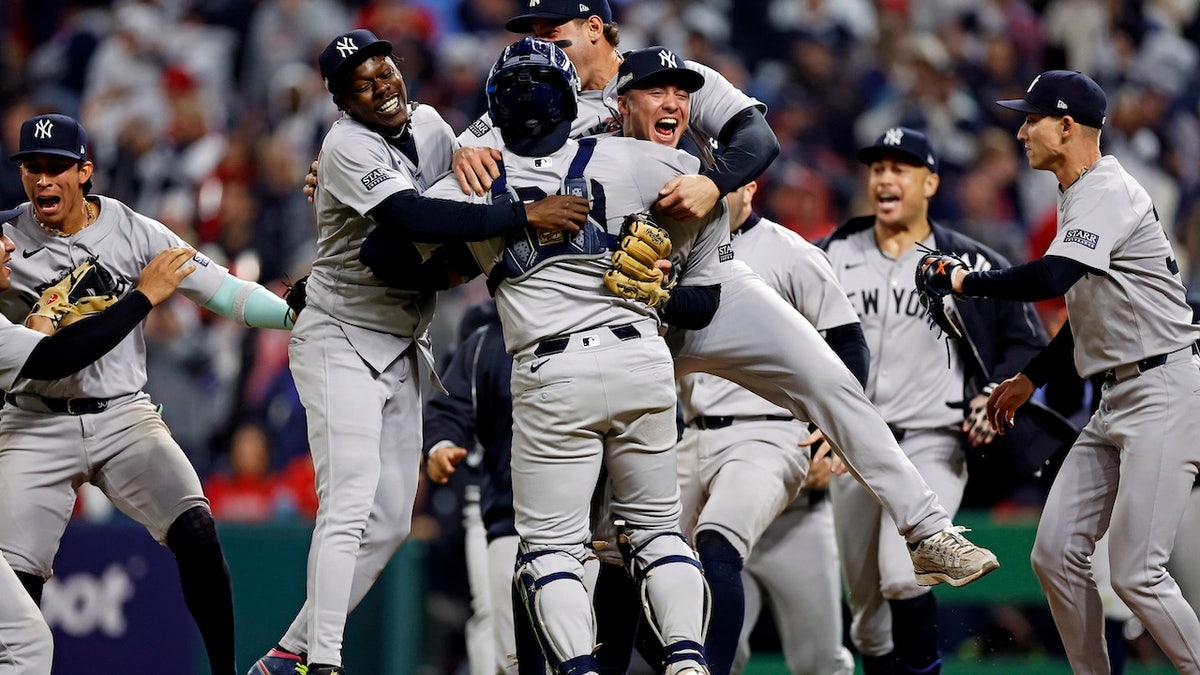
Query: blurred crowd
{"type": "Point", "coordinates": [205, 115]}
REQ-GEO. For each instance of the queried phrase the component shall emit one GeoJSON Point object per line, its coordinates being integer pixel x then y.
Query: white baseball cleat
{"type": "Point", "coordinates": [948, 557]}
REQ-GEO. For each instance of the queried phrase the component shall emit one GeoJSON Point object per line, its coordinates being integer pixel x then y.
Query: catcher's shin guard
{"type": "Point", "coordinates": [550, 584]}
{"type": "Point", "coordinates": [675, 597]}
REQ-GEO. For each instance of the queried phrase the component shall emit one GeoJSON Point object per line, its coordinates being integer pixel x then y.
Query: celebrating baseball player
{"type": "Point", "coordinates": [894, 617]}
{"type": "Point", "coordinates": [26, 646]}
{"type": "Point", "coordinates": [591, 378]}
{"type": "Point", "coordinates": [89, 248]}
{"type": "Point", "coordinates": [356, 350]}
{"type": "Point", "coordinates": [1130, 472]}
{"type": "Point", "coordinates": [744, 343]}
{"type": "Point", "coordinates": [740, 465]}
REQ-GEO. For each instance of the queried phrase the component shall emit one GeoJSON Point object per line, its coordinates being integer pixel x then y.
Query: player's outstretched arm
{"type": "Point", "coordinates": [475, 169]}
{"type": "Point", "coordinates": [250, 304]}
{"type": "Point", "coordinates": [80, 344]}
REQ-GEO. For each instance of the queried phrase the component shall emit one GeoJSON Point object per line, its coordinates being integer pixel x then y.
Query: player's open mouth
{"type": "Point", "coordinates": [666, 127]}
{"type": "Point", "coordinates": [887, 202]}
{"type": "Point", "coordinates": [48, 205]}
{"type": "Point", "coordinates": [390, 106]}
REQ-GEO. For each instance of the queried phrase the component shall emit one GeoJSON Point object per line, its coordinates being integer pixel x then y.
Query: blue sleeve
{"type": "Point", "coordinates": [1051, 360]}
{"type": "Point", "coordinates": [849, 343]}
{"type": "Point", "coordinates": [692, 307]}
{"type": "Point", "coordinates": [437, 221]}
{"type": "Point", "coordinates": [1042, 279]}
{"type": "Point", "coordinates": [749, 147]}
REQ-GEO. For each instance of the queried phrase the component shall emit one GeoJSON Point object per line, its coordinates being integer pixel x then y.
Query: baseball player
{"type": "Point", "coordinates": [895, 617]}
{"type": "Point", "coordinates": [355, 351]}
{"type": "Point", "coordinates": [25, 641]}
{"type": "Point", "coordinates": [740, 464]}
{"type": "Point", "coordinates": [793, 570]}
{"type": "Point", "coordinates": [591, 378]}
{"type": "Point", "coordinates": [740, 343]}
{"type": "Point", "coordinates": [1131, 470]}
{"type": "Point", "coordinates": [588, 35]}
{"type": "Point", "coordinates": [127, 450]}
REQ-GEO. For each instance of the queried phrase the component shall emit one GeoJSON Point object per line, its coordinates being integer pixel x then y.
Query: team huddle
{"type": "Point", "coordinates": [673, 394]}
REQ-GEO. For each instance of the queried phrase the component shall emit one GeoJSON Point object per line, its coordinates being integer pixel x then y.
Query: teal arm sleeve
{"type": "Point", "coordinates": [250, 304]}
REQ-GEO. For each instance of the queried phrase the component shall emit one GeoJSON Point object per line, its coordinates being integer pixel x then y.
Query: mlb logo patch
{"type": "Point", "coordinates": [201, 259]}
{"type": "Point", "coordinates": [1088, 239]}
{"type": "Point", "coordinates": [479, 128]}
{"type": "Point", "coordinates": [725, 253]}
{"type": "Point", "coordinates": [374, 178]}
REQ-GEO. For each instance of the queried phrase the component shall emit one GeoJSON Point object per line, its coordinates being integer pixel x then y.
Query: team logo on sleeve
{"type": "Point", "coordinates": [480, 128]}
{"type": "Point", "coordinates": [725, 252]}
{"type": "Point", "coordinates": [374, 178]}
{"type": "Point", "coordinates": [1088, 239]}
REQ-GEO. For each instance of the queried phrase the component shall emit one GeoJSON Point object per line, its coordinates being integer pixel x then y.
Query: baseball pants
{"type": "Point", "coordinates": [1130, 475]}
{"type": "Point", "coordinates": [364, 429]}
{"type": "Point", "coordinates": [759, 341]}
{"type": "Point", "coordinates": [126, 450]}
{"type": "Point", "coordinates": [26, 646]}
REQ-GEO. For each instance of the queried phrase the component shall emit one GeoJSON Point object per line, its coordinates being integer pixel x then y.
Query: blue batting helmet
{"type": "Point", "coordinates": [532, 86]}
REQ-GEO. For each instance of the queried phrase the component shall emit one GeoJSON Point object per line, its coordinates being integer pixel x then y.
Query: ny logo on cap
{"type": "Point", "coordinates": [534, 3]}
{"type": "Point", "coordinates": [1033, 84]}
{"type": "Point", "coordinates": [666, 59]}
{"type": "Point", "coordinates": [43, 129]}
{"type": "Point", "coordinates": [346, 46]}
{"type": "Point", "coordinates": [893, 136]}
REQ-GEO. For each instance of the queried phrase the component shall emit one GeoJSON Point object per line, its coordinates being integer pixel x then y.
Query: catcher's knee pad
{"type": "Point", "coordinates": [674, 594]}
{"type": "Point", "coordinates": [549, 582]}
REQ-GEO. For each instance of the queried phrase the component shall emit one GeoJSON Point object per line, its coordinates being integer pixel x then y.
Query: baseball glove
{"type": "Point", "coordinates": [296, 295]}
{"type": "Point", "coordinates": [934, 274]}
{"type": "Point", "coordinates": [634, 275]}
{"type": "Point", "coordinates": [82, 292]}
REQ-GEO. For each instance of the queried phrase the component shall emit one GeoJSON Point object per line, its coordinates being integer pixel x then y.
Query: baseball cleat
{"type": "Point", "coordinates": [948, 557]}
{"type": "Point", "coordinates": [278, 662]}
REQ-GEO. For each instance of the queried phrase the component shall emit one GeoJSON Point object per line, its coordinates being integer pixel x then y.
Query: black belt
{"type": "Point", "coordinates": [722, 421]}
{"type": "Point", "coordinates": [558, 345]}
{"type": "Point", "coordinates": [70, 406]}
{"type": "Point", "coordinates": [1120, 373]}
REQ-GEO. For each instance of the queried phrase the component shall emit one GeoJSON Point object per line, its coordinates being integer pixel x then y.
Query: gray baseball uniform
{"type": "Point", "coordinates": [911, 379]}
{"type": "Point", "coordinates": [592, 384]}
{"type": "Point", "coordinates": [355, 354]}
{"type": "Point", "coordinates": [737, 478]}
{"type": "Point", "coordinates": [1130, 472]}
{"type": "Point", "coordinates": [26, 646]}
{"type": "Point", "coordinates": [740, 466]}
{"type": "Point", "coordinates": [123, 447]}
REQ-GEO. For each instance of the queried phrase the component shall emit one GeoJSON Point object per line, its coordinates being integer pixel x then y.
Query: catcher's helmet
{"type": "Point", "coordinates": [531, 87]}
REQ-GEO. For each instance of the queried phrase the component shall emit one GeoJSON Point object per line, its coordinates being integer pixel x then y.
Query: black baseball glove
{"type": "Point", "coordinates": [934, 275]}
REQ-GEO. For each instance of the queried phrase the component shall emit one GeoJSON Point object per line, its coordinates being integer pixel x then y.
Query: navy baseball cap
{"type": "Point", "coordinates": [347, 51]}
{"type": "Point", "coordinates": [1061, 93]}
{"type": "Point", "coordinates": [560, 11]}
{"type": "Point", "coordinates": [52, 134]}
{"type": "Point", "coordinates": [645, 68]}
{"type": "Point", "coordinates": [909, 143]}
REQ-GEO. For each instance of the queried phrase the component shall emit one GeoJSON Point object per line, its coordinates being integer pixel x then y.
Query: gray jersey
{"type": "Point", "coordinates": [1137, 294]}
{"type": "Point", "coordinates": [798, 271]}
{"type": "Point", "coordinates": [909, 379]}
{"type": "Point", "coordinates": [625, 176]}
{"type": "Point", "coordinates": [122, 241]}
{"type": "Point", "coordinates": [16, 344]}
{"type": "Point", "coordinates": [359, 169]}
{"type": "Point", "coordinates": [712, 106]}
